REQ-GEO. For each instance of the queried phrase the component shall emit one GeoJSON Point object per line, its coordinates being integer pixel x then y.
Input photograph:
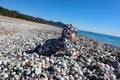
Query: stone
{"type": "Point", "coordinates": [5, 75]}
{"type": "Point", "coordinates": [18, 65]}
{"type": "Point", "coordinates": [5, 62]}
{"type": "Point", "coordinates": [16, 77]}
{"type": "Point", "coordinates": [26, 61]}
{"type": "Point", "coordinates": [44, 79]}
{"type": "Point", "coordinates": [105, 77]}
{"type": "Point", "coordinates": [5, 69]}
{"type": "Point", "coordinates": [76, 65]}
{"type": "Point", "coordinates": [23, 63]}
{"type": "Point", "coordinates": [76, 76]}
{"type": "Point", "coordinates": [64, 65]}
{"type": "Point", "coordinates": [80, 73]}
{"type": "Point", "coordinates": [94, 77]}
{"type": "Point", "coordinates": [107, 67]}
{"type": "Point", "coordinates": [13, 73]}
{"type": "Point", "coordinates": [63, 73]}
{"type": "Point", "coordinates": [37, 71]}
{"type": "Point", "coordinates": [71, 77]}
{"type": "Point", "coordinates": [66, 78]}
{"type": "Point", "coordinates": [115, 64]}
{"type": "Point", "coordinates": [32, 75]}
{"type": "Point", "coordinates": [60, 78]}
{"type": "Point", "coordinates": [100, 65]}
{"type": "Point", "coordinates": [47, 59]}
{"type": "Point", "coordinates": [51, 61]}
{"type": "Point", "coordinates": [113, 76]}
{"type": "Point", "coordinates": [58, 69]}
{"type": "Point", "coordinates": [52, 69]}
{"type": "Point", "coordinates": [27, 71]}
{"type": "Point", "coordinates": [43, 75]}
{"type": "Point", "coordinates": [0, 68]}
{"type": "Point", "coordinates": [31, 62]}
{"type": "Point", "coordinates": [0, 62]}
{"type": "Point", "coordinates": [89, 60]}
{"type": "Point", "coordinates": [88, 71]}
{"type": "Point", "coordinates": [20, 68]}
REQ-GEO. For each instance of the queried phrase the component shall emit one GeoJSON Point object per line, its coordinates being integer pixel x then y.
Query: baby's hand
{"type": "Point", "coordinates": [76, 53]}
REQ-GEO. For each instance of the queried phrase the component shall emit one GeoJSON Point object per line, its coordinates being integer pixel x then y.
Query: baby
{"type": "Point", "coordinates": [64, 43]}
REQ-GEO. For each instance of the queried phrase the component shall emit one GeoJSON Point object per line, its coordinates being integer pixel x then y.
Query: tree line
{"type": "Point", "coordinates": [16, 14]}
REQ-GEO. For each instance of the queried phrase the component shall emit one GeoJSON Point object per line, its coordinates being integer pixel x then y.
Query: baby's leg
{"type": "Point", "coordinates": [38, 48]}
{"type": "Point", "coordinates": [43, 50]}
{"type": "Point", "coordinates": [46, 52]}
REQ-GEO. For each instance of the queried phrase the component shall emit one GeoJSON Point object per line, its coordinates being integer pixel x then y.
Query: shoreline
{"type": "Point", "coordinates": [97, 60]}
{"type": "Point", "coordinates": [106, 39]}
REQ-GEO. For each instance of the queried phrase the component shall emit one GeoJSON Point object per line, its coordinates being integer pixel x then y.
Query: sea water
{"type": "Point", "coordinates": [112, 40]}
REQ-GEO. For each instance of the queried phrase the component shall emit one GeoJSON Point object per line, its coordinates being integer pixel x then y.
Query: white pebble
{"type": "Point", "coordinates": [6, 75]}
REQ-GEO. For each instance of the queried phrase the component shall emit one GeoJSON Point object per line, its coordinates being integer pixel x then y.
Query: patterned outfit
{"type": "Point", "coordinates": [63, 43]}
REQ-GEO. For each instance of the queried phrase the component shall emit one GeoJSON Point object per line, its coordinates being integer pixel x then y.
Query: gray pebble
{"type": "Point", "coordinates": [0, 62]}
{"type": "Point", "coordinates": [5, 75]}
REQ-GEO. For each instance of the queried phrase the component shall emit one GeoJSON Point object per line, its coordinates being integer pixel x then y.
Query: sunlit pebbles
{"type": "Point", "coordinates": [96, 61]}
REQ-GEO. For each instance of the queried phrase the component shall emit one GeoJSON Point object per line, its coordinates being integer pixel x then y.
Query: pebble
{"type": "Point", "coordinates": [60, 78]}
{"type": "Point", "coordinates": [16, 77]}
{"type": "Point", "coordinates": [58, 69]}
{"type": "Point", "coordinates": [0, 62]}
{"type": "Point", "coordinates": [63, 73]}
{"type": "Point", "coordinates": [113, 76]}
{"type": "Point", "coordinates": [80, 73]}
{"type": "Point", "coordinates": [71, 77]}
{"type": "Point", "coordinates": [66, 78]}
{"type": "Point", "coordinates": [4, 62]}
{"type": "Point", "coordinates": [44, 79]}
{"type": "Point", "coordinates": [37, 71]}
{"type": "Point", "coordinates": [18, 65]}
{"type": "Point", "coordinates": [23, 63]}
{"type": "Point", "coordinates": [51, 61]}
{"type": "Point", "coordinates": [6, 75]}
{"type": "Point", "coordinates": [105, 77]}
{"type": "Point", "coordinates": [13, 73]}
{"type": "Point", "coordinates": [27, 71]}
{"type": "Point", "coordinates": [47, 59]}
{"type": "Point", "coordinates": [0, 67]}
{"type": "Point", "coordinates": [100, 65]}
{"type": "Point", "coordinates": [32, 75]}
{"type": "Point", "coordinates": [5, 69]}
{"type": "Point", "coordinates": [31, 62]}
{"type": "Point", "coordinates": [89, 60]}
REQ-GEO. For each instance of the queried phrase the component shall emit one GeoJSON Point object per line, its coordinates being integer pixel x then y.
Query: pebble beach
{"type": "Point", "coordinates": [97, 61]}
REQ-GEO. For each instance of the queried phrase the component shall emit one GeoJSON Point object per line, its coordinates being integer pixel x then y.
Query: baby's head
{"type": "Point", "coordinates": [69, 31]}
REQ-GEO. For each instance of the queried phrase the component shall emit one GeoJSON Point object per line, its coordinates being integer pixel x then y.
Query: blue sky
{"type": "Point", "coordinates": [101, 16]}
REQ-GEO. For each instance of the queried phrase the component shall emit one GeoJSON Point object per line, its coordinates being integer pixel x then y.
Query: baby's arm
{"type": "Point", "coordinates": [76, 53]}
{"type": "Point", "coordinates": [70, 50]}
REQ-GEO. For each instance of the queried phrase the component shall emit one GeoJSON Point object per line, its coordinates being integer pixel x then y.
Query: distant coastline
{"type": "Point", "coordinates": [16, 14]}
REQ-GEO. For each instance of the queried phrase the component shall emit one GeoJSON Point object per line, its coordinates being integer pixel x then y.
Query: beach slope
{"type": "Point", "coordinates": [97, 61]}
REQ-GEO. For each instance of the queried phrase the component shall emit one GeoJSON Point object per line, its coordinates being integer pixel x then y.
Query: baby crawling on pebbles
{"type": "Point", "coordinates": [64, 43]}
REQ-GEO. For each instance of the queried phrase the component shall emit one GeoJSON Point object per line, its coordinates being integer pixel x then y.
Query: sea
{"type": "Point", "coordinates": [112, 40]}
